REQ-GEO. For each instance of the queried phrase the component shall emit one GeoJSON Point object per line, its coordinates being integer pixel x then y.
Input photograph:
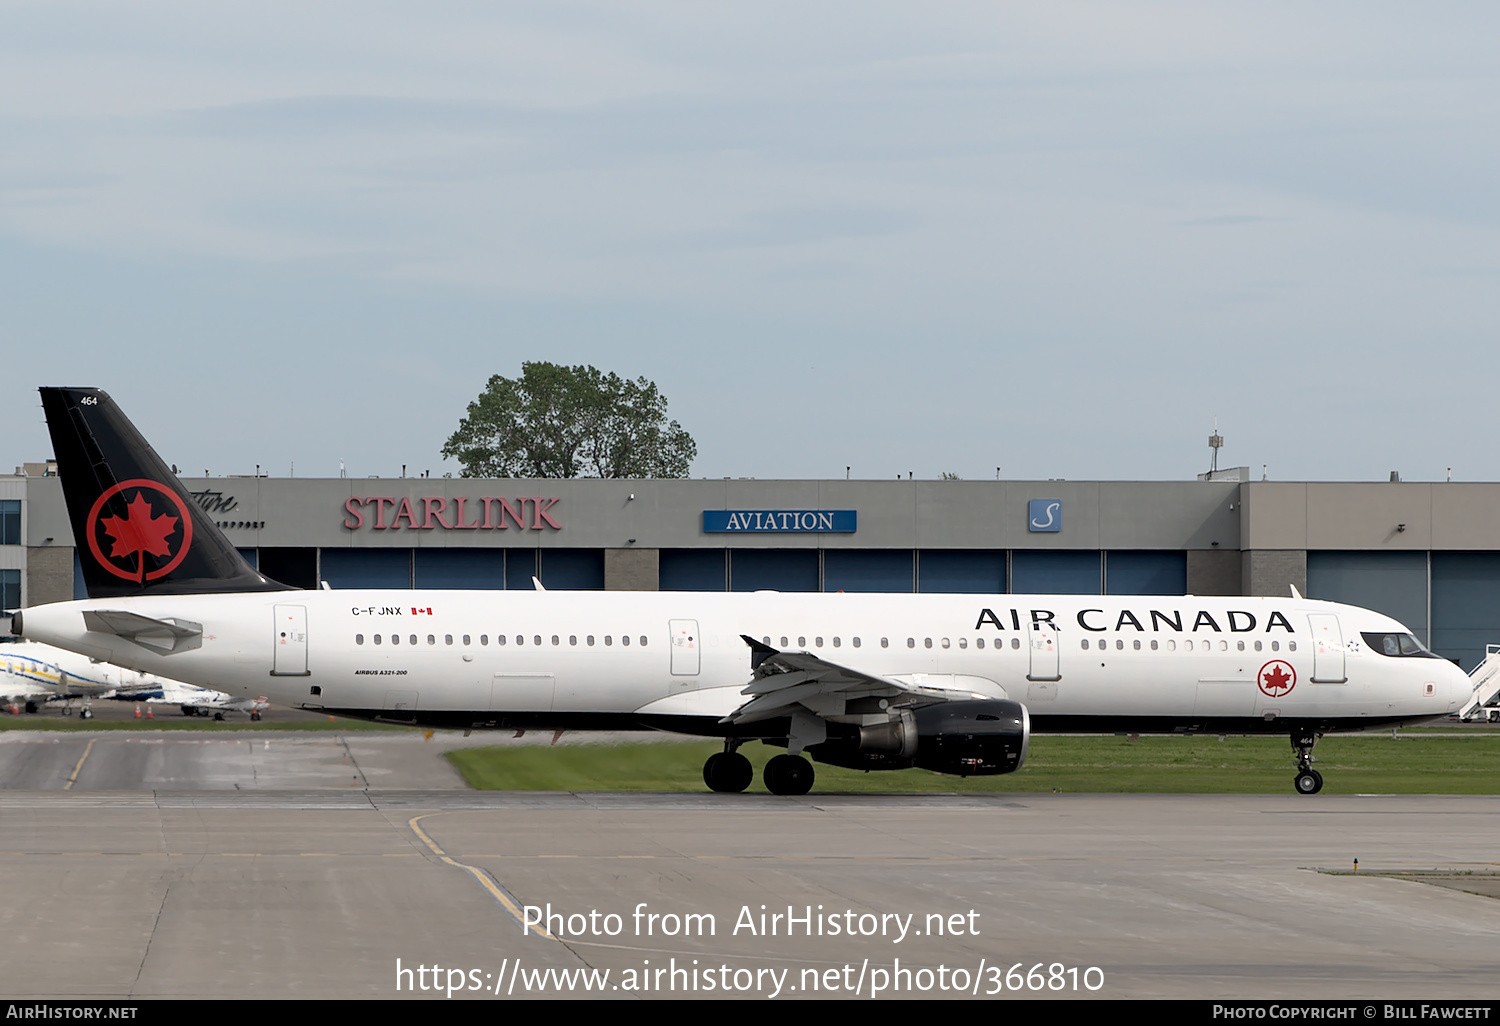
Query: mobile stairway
{"type": "Point", "coordinates": [1482, 703]}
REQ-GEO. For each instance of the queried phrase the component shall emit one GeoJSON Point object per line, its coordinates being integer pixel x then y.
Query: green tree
{"type": "Point", "coordinates": [556, 421]}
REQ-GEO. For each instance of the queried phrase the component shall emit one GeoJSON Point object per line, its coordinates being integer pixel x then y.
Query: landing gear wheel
{"type": "Point", "coordinates": [789, 774]}
{"type": "Point", "coordinates": [86, 714]}
{"type": "Point", "coordinates": [728, 772]}
{"type": "Point", "coordinates": [1307, 780]}
{"type": "Point", "coordinates": [255, 716]}
{"type": "Point", "coordinates": [218, 716]}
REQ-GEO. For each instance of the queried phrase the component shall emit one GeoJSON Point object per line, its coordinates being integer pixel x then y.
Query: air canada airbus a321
{"type": "Point", "coordinates": [953, 683]}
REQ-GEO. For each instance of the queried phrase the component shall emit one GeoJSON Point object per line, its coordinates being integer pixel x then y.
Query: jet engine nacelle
{"type": "Point", "coordinates": [980, 737]}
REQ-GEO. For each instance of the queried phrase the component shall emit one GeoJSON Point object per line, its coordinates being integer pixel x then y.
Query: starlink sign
{"type": "Point", "coordinates": [779, 521]}
{"type": "Point", "coordinates": [463, 513]}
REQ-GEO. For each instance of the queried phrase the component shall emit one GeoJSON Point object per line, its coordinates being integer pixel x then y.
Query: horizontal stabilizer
{"type": "Point", "coordinates": [166, 635]}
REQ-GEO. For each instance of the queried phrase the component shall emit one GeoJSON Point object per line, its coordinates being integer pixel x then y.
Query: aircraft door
{"type": "Point", "coordinates": [290, 659]}
{"type": "Point", "coordinates": [1328, 649]}
{"type": "Point", "coordinates": [685, 647]}
{"type": "Point", "coordinates": [1044, 664]}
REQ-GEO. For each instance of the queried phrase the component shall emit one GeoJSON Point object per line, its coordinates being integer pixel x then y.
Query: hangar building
{"type": "Point", "coordinates": [1425, 553]}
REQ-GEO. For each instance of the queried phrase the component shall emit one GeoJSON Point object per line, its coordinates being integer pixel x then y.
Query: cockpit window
{"type": "Point", "coordinates": [1396, 645]}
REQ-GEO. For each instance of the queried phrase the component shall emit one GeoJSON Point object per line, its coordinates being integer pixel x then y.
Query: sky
{"type": "Point", "coordinates": [1063, 240]}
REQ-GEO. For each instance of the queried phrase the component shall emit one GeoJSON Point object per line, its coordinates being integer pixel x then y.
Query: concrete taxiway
{"type": "Point", "coordinates": [352, 865]}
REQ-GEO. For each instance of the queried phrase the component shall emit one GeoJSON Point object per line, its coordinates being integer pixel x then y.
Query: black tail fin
{"type": "Point", "coordinates": [137, 529]}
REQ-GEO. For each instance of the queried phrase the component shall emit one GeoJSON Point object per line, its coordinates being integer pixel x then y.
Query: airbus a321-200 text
{"type": "Point", "coordinates": [952, 683]}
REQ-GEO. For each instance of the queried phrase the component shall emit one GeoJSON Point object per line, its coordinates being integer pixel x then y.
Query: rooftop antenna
{"type": "Point", "coordinates": [1215, 443]}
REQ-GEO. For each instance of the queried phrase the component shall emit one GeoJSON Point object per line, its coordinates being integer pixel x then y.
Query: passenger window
{"type": "Point", "coordinates": [466, 640]}
{"type": "Point", "coordinates": [484, 639]}
{"type": "Point", "coordinates": [1085, 644]}
{"type": "Point", "coordinates": [1257, 646]}
{"type": "Point", "coordinates": [643, 641]}
{"type": "Point", "coordinates": [499, 639]}
{"type": "Point", "coordinates": [1291, 646]}
{"type": "Point", "coordinates": [1137, 644]}
{"type": "Point", "coordinates": [1119, 644]}
{"type": "Point", "coordinates": [1240, 645]}
{"type": "Point", "coordinates": [359, 639]}
{"type": "Point", "coordinates": [818, 642]}
{"type": "Point", "coordinates": [1275, 646]}
{"type": "Point", "coordinates": [911, 642]}
{"type": "Point", "coordinates": [413, 639]}
{"type": "Point", "coordinates": [624, 639]}
{"type": "Point", "coordinates": [783, 641]}
{"type": "Point", "coordinates": [835, 642]}
{"type": "Point", "coordinates": [591, 640]}
{"type": "Point", "coordinates": [375, 638]}
{"type": "Point", "coordinates": [572, 639]}
{"type": "Point", "coordinates": [1153, 644]}
{"type": "Point", "coordinates": [555, 640]}
{"type": "Point", "coordinates": [979, 643]}
{"type": "Point", "coordinates": [609, 640]}
{"type": "Point", "coordinates": [927, 642]}
{"type": "Point", "coordinates": [885, 642]}
{"type": "Point", "coordinates": [856, 642]}
{"type": "Point", "coordinates": [963, 642]}
{"type": "Point", "coordinates": [1015, 642]}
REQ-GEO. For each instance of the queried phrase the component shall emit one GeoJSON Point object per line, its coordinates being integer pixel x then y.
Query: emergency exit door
{"type": "Point", "coordinates": [1044, 664]}
{"type": "Point", "coordinates": [686, 646]}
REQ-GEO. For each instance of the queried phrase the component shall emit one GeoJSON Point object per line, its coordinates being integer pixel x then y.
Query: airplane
{"type": "Point", "coordinates": [195, 701]}
{"type": "Point", "coordinates": [32, 674]}
{"type": "Point", "coordinates": [952, 683]}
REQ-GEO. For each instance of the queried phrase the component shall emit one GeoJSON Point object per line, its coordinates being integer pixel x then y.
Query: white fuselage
{"type": "Point", "coordinates": [571, 658]}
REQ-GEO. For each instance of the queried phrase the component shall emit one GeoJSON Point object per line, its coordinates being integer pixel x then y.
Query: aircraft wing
{"type": "Point", "coordinates": [812, 692]}
{"type": "Point", "coordinates": [785, 682]}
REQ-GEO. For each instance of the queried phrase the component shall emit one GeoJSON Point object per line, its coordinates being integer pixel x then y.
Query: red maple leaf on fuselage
{"type": "Point", "coordinates": [1276, 679]}
{"type": "Point", "coordinates": [139, 532]}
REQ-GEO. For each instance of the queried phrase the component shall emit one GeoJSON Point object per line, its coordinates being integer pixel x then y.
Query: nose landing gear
{"type": "Point", "coordinates": [1307, 780]}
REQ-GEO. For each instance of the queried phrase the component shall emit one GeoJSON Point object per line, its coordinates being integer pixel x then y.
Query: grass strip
{"type": "Point", "coordinates": [1361, 764]}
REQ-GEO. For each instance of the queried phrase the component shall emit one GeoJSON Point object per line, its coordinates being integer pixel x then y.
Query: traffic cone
{"type": "Point", "coordinates": [149, 714]}
{"type": "Point", "coordinates": [137, 712]}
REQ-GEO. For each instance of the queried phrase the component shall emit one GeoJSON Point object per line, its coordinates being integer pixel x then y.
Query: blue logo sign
{"type": "Point", "coordinates": [1044, 516]}
{"type": "Point", "coordinates": [780, 521]}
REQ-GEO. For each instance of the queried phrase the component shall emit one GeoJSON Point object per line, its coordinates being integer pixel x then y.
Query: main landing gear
{"type": "Point", "coordinates": [789, 774]}
{"type": "Point", "coordinates": [1307, 780]}
{"type": "Point", "coordinates": [730, 772]}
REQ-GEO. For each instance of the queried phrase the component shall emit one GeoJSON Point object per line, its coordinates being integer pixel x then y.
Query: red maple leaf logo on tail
{"type": "Point", "coordinates": [139, 533]}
